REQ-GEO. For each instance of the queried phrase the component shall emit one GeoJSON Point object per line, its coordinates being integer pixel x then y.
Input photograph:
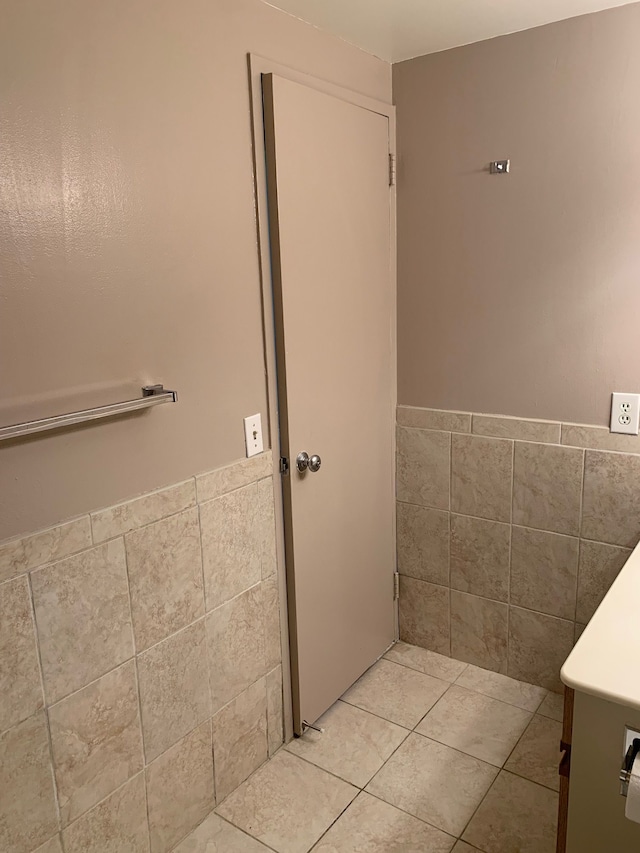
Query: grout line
{"type": "Point", "coordinates": [104, 799]}
{"type": "Point", "coordinates": [422, 672]}
{"type": "Point", "coordinates": [513, 480]}
{"type": "Point", "coordinates": [45, 708]}
{"type": "Point", "coordinates": [404, 811]}
{"type": "Point", "coordinates": [139, 698]}
{"type": "Point", "coordinates": [449, 614]}
{"type": "Point", "coordinates": [146, 799]}
{"type": "Point", "coordinates": [238, 828]}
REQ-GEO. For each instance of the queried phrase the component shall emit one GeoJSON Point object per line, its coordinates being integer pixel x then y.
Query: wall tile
{"type": "Point", "coordinates": [599, 438]}
{"type": "Point", "coordinates": [30, 552]}
{"type": "Point", "coordinates": [423, 543]}
{"type": "Point", "coordinates": [410, 416]}
{"type": "Point", "coordinates": [479, 631]}
{"type": "Point", "coordinates": [222, 480]}
{"type": "Point", "coordinates": [231, 545]}
{"type": "Point", "coordinates": [267, 527]}
{"type": "Point", "coordinates": [480, 556]}
{"type": "Point", "coordinates": [275, 710]}
{"type": "Point", "coordinates": [481, 470]}
{"type": "Point", "coordinates": [240, 738]}
{"type": "Point", "coordinates": [27, 805]}
{"type": "Point", "coordinates": [20, 687]}
{"type": "Point", "coordinates": [544, 571]}
{"type": "Point", "coordinates": [424, 615]}
{"type": "Point", "coordinates": [599, 567]}
{"type": "Point", "coordinates": [611, 498]}
{"type": "Point", "coordinates": [547, 487]}
{"type": "Point", "coordinates": [236, 645]}
{"type": "Point", "coordinates": [164, 562]}
{"type": "Point", "coordinates": [524, 430]}
{"type": "Point", "coordinates": [53, 845]}
{"type": "Point", "coordinates": [96, 741]}
{"type": "Point", "coordinates": [271, 616]}
{"type": "Point", "coordinates": [83, 618]}
{"type": "Point", "coordinates": [120, 519]}
{"type": "Point", "coordinates": [180, 789]}
{"type": "Point", "coordinates": [538, 646]}
{"type": "Point", "coordinates": [174, 688]}
{"type": "Point", "coordinates": [423, 462]}
{"type": "Point", "coordinates": [578, 631]}
{"type": "Point", "coordinates": [116, 825]}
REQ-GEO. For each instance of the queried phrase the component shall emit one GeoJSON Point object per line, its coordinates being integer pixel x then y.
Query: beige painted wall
{"type": "Point", "coordinates": [127, 236]}
{"type": "Point", "coordinates": [518, 295]}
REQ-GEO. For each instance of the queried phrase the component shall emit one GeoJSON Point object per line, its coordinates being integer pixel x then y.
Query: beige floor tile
{"type": "Point", "coordinates": [353, 746]}
{"type": "Point", "coordinates": [288, 803]}
{"type": "Point", "coordinates": [396, 693]}
{"type": "Point", "coordinates": [553, 706]}
{"type": "Point", "coordinates": [431, 663]}
{"type": "Point", "coordinates": [463, 847]}
{"type": "Point", "coordinates": [215, 835]}
{"type": "Point", "coordinates": [433, 782]}
{"type": "Point", "coordinates": [516, 816]}
{"type": "Point", "coordinates": [370, 825]}
{"type": "Point", "coordinates": [475, 724]}
{"type": "Point", "coordinates": [518, 693]}
{"type": "Point", "coordinates": [537, 754]}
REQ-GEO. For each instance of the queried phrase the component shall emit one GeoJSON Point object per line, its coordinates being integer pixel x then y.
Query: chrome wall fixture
{"type": "Point", "coordinates": [152, 395]}
{"type": "Point", "coordinates": [500, 167]}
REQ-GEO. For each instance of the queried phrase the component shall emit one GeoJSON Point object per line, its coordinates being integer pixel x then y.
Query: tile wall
{"type": "Point", "coordinates": [140, 665]}
{"type": "Point", "coordinates": [509, 534]}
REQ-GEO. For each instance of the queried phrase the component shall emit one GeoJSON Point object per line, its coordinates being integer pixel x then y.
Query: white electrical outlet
{"type": "Point", "coordinates": [253, 434]}
{"type": "Point", "coordinates": [625, 413]}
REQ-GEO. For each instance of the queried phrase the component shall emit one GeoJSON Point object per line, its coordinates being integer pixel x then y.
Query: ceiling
{"type": "Point", "coordinates": [401, 29]}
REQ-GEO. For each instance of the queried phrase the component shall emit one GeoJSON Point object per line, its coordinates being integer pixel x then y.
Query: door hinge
{"type": "Point", "coordinates": [392, 170]}
{"type": "Point", "coordinates": [396, 586]}
{"type": "Point", "coordinates": [284, 465]}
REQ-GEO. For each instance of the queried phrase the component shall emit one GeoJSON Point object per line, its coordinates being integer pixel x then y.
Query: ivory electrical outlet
{"type": "Point", "coordinates": [625, 413]}
{"type": "Point", "coordinates": [253, 434]}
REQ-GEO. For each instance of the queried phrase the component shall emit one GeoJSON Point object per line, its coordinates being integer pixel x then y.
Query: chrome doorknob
{"type": "Point", "coordinates": [304, 461]}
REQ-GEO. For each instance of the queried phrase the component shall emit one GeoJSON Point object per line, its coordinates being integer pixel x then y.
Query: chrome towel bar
{"type": "Point", "coordinates": [152, 395]}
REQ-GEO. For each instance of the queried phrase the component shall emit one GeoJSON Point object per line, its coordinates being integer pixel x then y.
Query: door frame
{"type": "Point", "coordinates": [259, 65]}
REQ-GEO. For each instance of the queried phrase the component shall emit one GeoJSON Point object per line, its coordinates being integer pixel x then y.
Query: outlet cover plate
{"type": "Point", "coordinates": [625, 413]}
{"type": "Point", "coordinates": [253, 434]}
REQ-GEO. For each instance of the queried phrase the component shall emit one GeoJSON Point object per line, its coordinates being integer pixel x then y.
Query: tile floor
{"type": "Point", "coordinates": [423, 754]}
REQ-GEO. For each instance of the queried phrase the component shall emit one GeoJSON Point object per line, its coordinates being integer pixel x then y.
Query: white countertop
{"type": "Point", "coordinates": [605, 662]}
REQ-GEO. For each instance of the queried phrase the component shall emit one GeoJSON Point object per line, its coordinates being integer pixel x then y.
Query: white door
{"type": "Point", "coordinates": [329, 215]}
